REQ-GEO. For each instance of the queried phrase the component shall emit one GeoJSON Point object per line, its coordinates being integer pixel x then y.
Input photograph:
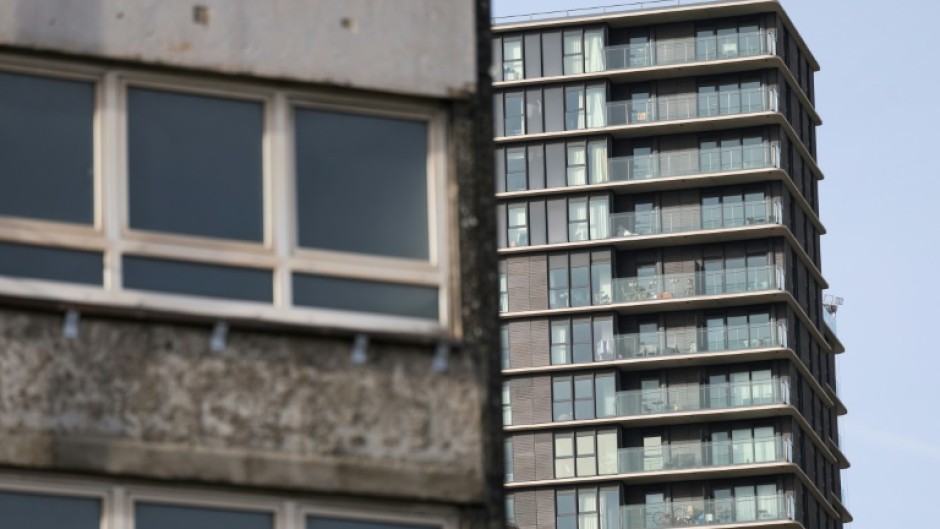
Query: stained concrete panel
{"type": "Point", "coordinates": [152, 400]}
{"type": "Point", "coordinates": [420, 47]}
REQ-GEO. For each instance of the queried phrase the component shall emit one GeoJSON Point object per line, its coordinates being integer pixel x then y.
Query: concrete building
{"type": "Point", "coordinates": [244, 252]}
{"type": "Point", "coordinates": [668, 358]}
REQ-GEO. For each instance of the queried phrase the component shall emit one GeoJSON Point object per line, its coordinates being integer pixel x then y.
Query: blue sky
{"type": "Point", "coordinates": [882, 239]}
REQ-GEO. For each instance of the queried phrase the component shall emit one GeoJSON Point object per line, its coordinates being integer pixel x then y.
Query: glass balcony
{"type": "Point", "coordinates": [685, 399]}
{"type": "Point", "coordinates": [690, 106]}
{"type": "Point", "coordinates": [647, 54]}
{"type": "Point", "coordinates": [693, 218]}
{"type": "Point", "coordinates": [691, 284]}
{"type": "Point", "coordinates": [830, 320]}
{"type": "Point", "coordinates": [687, 456]}
{"type": "Point", "coordinates": [704, 161]}
{"type": "Point", "coordinates": [720, 511]}
{"type": "Point", "coordinates": [681, 342]}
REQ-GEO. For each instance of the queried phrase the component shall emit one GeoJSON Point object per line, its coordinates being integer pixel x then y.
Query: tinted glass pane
{"type": "Point", "coordinates": [51, 263]}
{"type": "Point", "coordinates": [362, 183]}
{"type": "Point", "coordinates": [154, 516]}
{"type": "Point", "coordinates": [195, 165]}
{"type": "Point", "coordinates": [39, 511]}
{"type": "Point", "coordinates": [366, 296]}
{"type": "Point", "coordinates": [336, 523]}
{"type": "Point", "coordinates": [46, 130]}
{"type": "Point", "coordinates": [197, 279]}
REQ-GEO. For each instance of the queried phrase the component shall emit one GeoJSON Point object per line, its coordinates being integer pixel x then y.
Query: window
{"type": "Point", "coordinates": [726, 333]}
{"type": "Point", "coordinates": [214, 191]}
{"type": "Point", "coordinates": [321, 522]}
{"type": "Point", "coordinates": [518, 230]}
{"type": "Point", "coordinates": [43, 511]}
{"type": "Point", "coordinates": [573, 398]}
{"type": "Point", "coordinates": [579, 280]}
{"type": "Point", "coordinates": [728, 40]}
{"type": "Point", "coordinates": [586, 162]}
{"type": "Point", "coordinates": [738, 274]}
{"type": "Point", "coordinates": [582, 340]}
{"type": "Point", "coordinates": [504, 354]}
{"type": "Point", "coordinates": [47, 135]}
{"type": "Point", "coordinates": [503, 288]}
{"type": "Point", "coordinates": [585, 107]}
{"type": "Point", "coordinates": [512, 58]}
{"type": "Point", "coordinates": [510, 509]}
{"type": "Point", "coordinates": [158, 516]}
{"type": "Point", "coordinates": [507, 403]}
{"type": "Point", "coordinates": [516, 178]}
{"type": "Point", "coordinates": [731, 95]}
{"type": "Point", "coordinates": [574, 107]}
{"type": "Point", "coordinates": [741, 388]}
{"type": "Point", "coordinates": [209, 230]}
{"type": "Point", "coordinates": [642, 105]}
{"type": "Point", "coordinates": [87, 504]}
{"type": "Point", "coordinates": [585, 453]}
{"type": "Point", "coordinates": [640, 51]}
{"type": "Point", "coordinates": [588, 508]}
{"type": "Point", "coordinates": [733, 152]}
{"type": "Point", "coordinates": [733, 207]}
{"type": "Point", "coordinates": [515, 114]}
{"type": "Point", "coordinates": [508, 456]}
{"type": "Point", "coordinates": [583, 51]}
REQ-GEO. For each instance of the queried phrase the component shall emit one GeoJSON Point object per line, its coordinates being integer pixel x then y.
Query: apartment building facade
{"type": "Point", "coordinates": [234, 289]}
{"type": "Point", "coordinates": [668, 360]}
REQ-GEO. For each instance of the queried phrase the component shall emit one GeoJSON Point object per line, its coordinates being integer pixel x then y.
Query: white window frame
{"type": "Point", "coordinates": [118, 501]}
{"type": "Point", "coordinates": [278, 253]}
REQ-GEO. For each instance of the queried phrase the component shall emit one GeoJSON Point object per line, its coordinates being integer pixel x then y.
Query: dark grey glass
{"type": "Point", "coordinates": [362, 184]}
{"type": "Point", "coordinates": [46, 148]}
{"type": "Point", "coordinates": [197, 279]}
{"type": "Point", "coordinates": [156, 516]}
{"type": "Point", "coordinates": [56, 264]}
{"type": "Point", "coordinates": [41, 511]}
{"type": "Point", "coordinates": [366, 296]}
{"type": "Point", "coordinates": [339, 523]}
{"type": "Point", "coordinates": [195, 165]}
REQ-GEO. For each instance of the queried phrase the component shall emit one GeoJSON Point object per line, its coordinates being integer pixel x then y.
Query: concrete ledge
{"type": "Point", "coordinates": [114, 457]}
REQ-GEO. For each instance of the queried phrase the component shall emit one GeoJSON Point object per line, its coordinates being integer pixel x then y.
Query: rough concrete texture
{"type": "Point", "coordinates": [419, 47]}
{"type": "Point", "coordinates": [152, 400]}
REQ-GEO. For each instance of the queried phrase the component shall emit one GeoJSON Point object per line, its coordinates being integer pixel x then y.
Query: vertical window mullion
{"type": "Point", "coordinates": [280, 220]}
{"type": "Point", "coordinates": [112, 206]}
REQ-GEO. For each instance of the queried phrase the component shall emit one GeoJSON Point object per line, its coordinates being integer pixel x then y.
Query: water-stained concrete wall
{"type": "Point", "coordinates": [419, 47]}
{"type": "Point", "coordinates": [151, 399]}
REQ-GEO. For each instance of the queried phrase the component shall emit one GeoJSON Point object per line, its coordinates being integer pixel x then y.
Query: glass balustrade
{"type": "Point", "coordinates": [689, 106]}
{"type": "Point", "coordinates": [690, 284]}
{"type": "Point", "coordinates": [737, 509]}
{"type": "Point", "coordinates": [687, 456]}
{"type": "Point", "coordinates": [692, 218]}
{"type": "Point", "coordinates": [830, 320]}
{"type": "Point", "coordinates": [626, 56]}
{"type": "Point", "coordinates": [702, 161]}
{"type": "Point", "coordinates": [692, 398]}
{"type": "Point", "coordinates": [685, 341]}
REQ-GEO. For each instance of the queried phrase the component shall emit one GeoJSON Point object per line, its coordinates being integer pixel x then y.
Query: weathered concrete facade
{"type": "Point", "coordinates": [419, 47]}
{"type": "Point", "coordinates": [141, 397]}
{"type": "Point", "coordinates": [146, 399]}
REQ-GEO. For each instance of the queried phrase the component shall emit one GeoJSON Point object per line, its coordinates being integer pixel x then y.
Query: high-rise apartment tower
{"type": "Point", "coordinates": [668, 357]}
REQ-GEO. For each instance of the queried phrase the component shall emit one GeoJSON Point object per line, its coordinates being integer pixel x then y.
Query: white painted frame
{"type": "Point", "coordinates": [278, 252]}
{"type": "Point", "coordinates": [118, 502]}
